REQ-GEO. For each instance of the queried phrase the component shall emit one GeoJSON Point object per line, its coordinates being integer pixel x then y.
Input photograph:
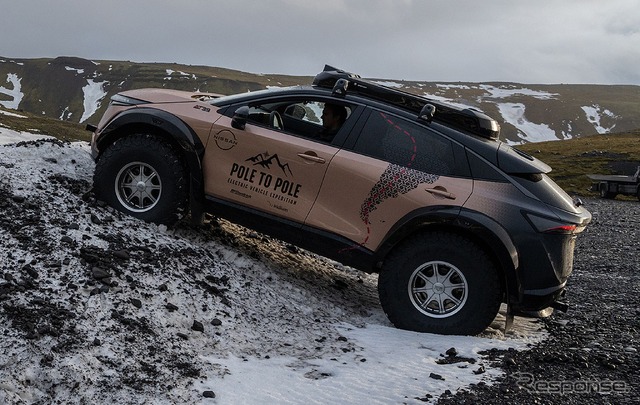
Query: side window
{"type": "Point", "coordinates": [308, 118]}
{"type": "Point", "coordinates": [308, 111]}
{"type": "Point", "coordinates": [315, 119]}
{"type": "Point", "coordinates": [401, 142]}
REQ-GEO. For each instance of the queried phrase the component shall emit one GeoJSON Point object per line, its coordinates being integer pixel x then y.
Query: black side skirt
{"type": "Point", "coordinates": [317, 241]}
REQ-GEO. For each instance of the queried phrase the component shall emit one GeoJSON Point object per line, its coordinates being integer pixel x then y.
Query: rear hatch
{"type": "Point", "coordinates": [531, 175]}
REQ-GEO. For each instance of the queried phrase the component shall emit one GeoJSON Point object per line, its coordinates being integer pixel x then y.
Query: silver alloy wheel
{"type": "Point", "coordinates": [438, 289]}
{"type": "Point", "coordinates": [138, 187]}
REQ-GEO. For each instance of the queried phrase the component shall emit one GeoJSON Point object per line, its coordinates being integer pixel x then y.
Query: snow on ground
{"type": "Point", "coordinates": [594, 116]}
{"type": "Point", "coordinates": [14, 92]}
{"type": "Point", "coordinates": [514, 114]}
{"type": "Point", "coordinates": [9, 136]}
{"type": "Point", "coordinates": [98, 306]}
{"type": "Point", "coordinates": [94, 92]}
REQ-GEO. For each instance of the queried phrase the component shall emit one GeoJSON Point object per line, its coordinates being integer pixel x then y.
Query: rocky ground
{"type": "Point", "coordinates": [94, 304]}
{"type": "Point", "coordinates": [591, 354]}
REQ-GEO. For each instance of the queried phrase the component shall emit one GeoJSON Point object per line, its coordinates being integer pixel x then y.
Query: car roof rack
{"type": "Point", "coordinates": [467, 119]}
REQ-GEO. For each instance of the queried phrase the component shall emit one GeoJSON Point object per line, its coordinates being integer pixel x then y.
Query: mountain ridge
{"type": "Point", "coordinates": [77, 90]}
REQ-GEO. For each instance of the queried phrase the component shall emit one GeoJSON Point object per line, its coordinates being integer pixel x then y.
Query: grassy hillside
{"type": "Point", "coordinates": [64, 130]}
{"type": "Point", "coordinates": [573, 159]}
{"type": "Point", "coordinates": [55, 87]}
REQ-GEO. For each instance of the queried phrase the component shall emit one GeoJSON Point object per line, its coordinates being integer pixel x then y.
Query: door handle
{"type": "Point", "coordinates": [440, 192]}
{"type": "Point", "coordinates": [312, 157]}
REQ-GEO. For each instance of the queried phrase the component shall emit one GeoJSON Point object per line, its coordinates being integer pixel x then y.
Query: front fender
{"type": "Point", "coordinates": [161, 123]}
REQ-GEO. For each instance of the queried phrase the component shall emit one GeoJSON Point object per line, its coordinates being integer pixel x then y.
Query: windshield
{"type": "Point", "coordinates": [232, 98]}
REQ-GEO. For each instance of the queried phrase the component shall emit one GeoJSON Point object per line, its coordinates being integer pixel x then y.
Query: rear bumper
{"type": "Point", "coordinates": [546, 264]}
{"type": "Point", "coordinates": [537, 300]}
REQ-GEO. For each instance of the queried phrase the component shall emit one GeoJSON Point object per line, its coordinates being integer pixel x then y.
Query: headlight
{"type": "Point", "coordinates": [120, 99]}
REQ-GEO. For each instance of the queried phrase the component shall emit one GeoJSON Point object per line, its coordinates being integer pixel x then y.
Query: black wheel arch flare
{"type": "Point", "coordinates": [171, 128]}
{"type": "Point", "coordinates": [480, 229]}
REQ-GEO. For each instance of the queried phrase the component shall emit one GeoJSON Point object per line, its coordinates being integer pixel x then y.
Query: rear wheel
{"type": "Point", "coordinates": [605, 193]}
{"type": "Point", "coordinates": [440, 283]}
{"type": "Point", "coordinates": [143, 176]}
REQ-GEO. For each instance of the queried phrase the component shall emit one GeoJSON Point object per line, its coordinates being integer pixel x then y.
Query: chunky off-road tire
{"type": "Point", "coordinates": [440, 283]}
{"type": "Point", "coordinates": [143, 176]}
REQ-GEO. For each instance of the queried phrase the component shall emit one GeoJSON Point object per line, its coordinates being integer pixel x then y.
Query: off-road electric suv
{"type": "Point", "coordinates": [424, 193]}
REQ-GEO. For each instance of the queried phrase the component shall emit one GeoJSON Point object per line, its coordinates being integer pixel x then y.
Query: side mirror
{"type": "Point", "coordinates": [240, 117]}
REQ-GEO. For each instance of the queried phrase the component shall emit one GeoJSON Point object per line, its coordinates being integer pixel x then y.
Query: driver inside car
{"type": "Point", "coordinates": [333, 116]}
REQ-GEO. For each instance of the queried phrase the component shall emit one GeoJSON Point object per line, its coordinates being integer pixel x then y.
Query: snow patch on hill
{"type": "Point", "coordinates": [78, 71]}
{"type": "Point", "coordinates": [595, 114]}
{"type": "Point", "coordinates": [10, 114]}
{"type": "Point", "coordinates": [510, 91]}
{"type": "Point", "coordinates": [15, 93]}
{"type": "Point", "coordinates": [170, 72]}
{"type": "Point", "coordinates": [514, 114]}
{"type": "Point", "coordinates": [93, 92]}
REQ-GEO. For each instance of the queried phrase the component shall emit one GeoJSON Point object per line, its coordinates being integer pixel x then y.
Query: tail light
{"type": "Point", "coordinates": [561, 229]}
{"type": "Point", "coordinates": [549, 225]}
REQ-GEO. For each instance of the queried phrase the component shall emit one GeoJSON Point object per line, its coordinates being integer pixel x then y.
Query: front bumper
{"type": "Point", "coordinates": [94, 148]}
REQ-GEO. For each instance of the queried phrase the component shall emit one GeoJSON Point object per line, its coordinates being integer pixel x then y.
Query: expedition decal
{"type": "Point", "coordinates": [395, 180]}
{"type": "Point", "coordinates": [250, 178]}
{"type": "Point", "coordinates": [265, 160]}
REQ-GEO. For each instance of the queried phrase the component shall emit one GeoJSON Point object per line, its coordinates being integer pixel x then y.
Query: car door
{"type": "Point", "coordinates": [263, 167]}
{"type": "Point", "coordinates": [395, 168]}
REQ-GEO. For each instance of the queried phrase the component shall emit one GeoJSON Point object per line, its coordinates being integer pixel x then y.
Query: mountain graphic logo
{"type": "Point", "coordinates": [265, 160]}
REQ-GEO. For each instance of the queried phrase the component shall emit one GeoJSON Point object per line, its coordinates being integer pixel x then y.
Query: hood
{"type": "Point", "coordinates": [157, 96]}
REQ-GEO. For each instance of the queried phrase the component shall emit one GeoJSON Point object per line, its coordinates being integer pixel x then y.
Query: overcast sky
{"type": "Point", "coordinates": [542, 41]}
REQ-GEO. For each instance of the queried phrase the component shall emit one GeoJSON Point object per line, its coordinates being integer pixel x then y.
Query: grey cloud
{"type": "Point", "coordinates": [573, 41]}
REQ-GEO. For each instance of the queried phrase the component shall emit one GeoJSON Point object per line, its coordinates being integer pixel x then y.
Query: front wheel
{"type": "Point", "coordinates": [143, 176]}
{"type": "Point", "coordinates": [440, 283]}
